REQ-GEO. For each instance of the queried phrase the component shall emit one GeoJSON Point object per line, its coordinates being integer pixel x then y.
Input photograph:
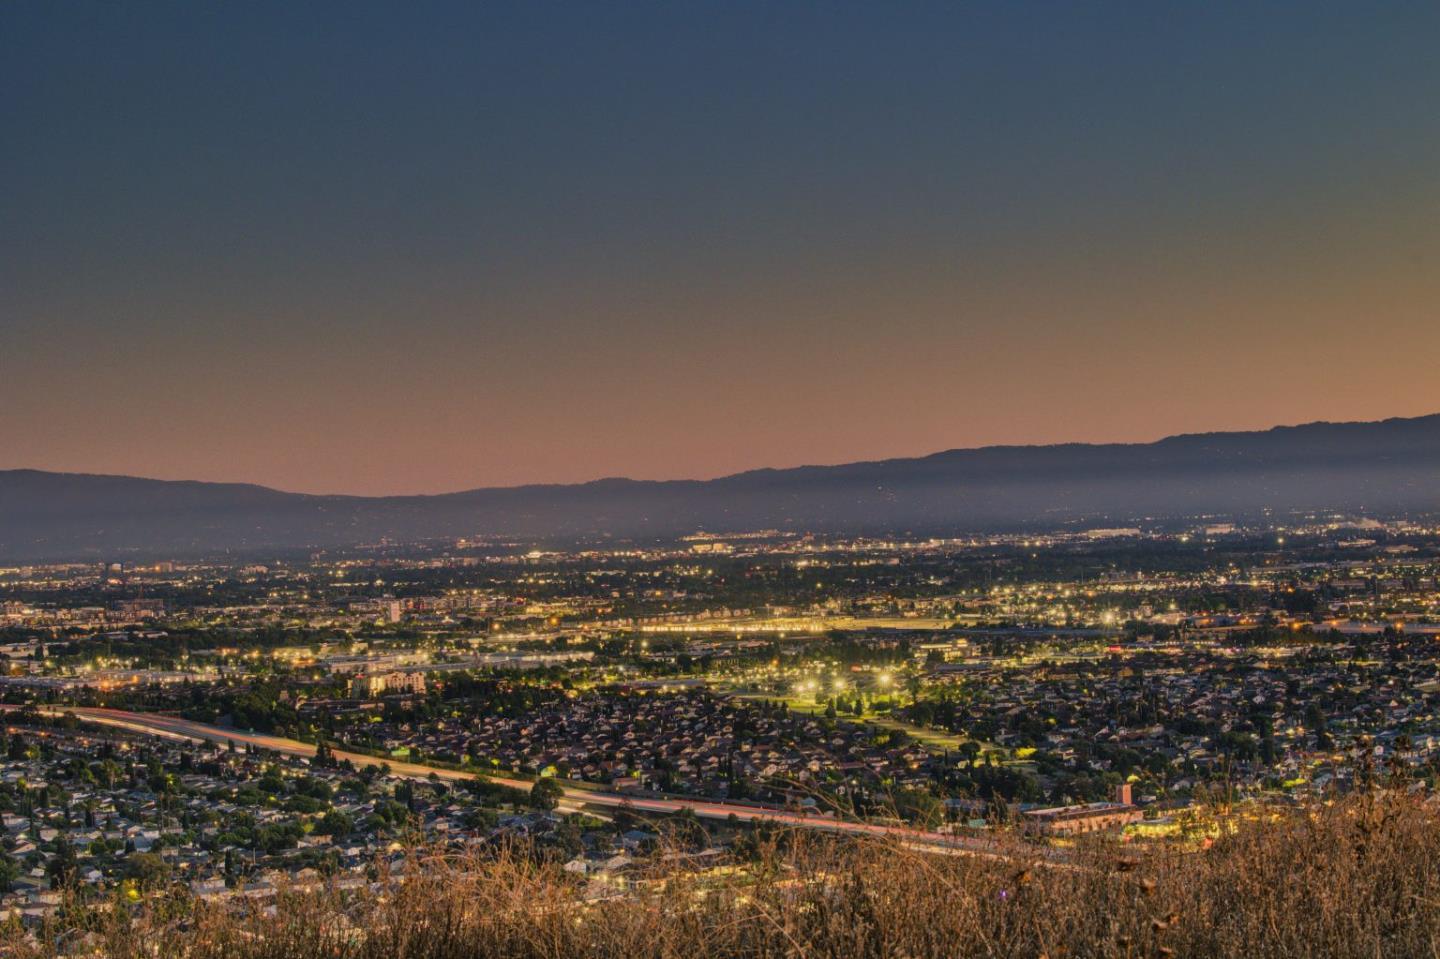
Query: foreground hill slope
{"type": "Point", "coordinates": [1349, 879]}
{"type": "Point", "coordinates": [1382, 467]}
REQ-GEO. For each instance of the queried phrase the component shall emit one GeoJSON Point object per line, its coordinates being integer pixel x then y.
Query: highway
{"type": "Point", "coordinates": [172, 727]}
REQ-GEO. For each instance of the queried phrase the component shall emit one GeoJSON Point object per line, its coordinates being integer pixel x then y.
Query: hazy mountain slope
{"type": "Point", "coordinates": [1382, 467]}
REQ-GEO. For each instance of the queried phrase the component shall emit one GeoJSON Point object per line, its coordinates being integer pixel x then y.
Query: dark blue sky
{"type": "Point", "coordinates": [393, 247]}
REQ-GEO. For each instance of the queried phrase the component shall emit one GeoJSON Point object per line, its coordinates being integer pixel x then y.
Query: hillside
{"type": "Point", "coordinates": [1352, 879]}
{"type": "Point", "coordinates": [1382, 467]}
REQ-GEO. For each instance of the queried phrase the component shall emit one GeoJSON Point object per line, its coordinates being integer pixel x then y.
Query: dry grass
{"type": "Point", "coordinates": [1355, 879]}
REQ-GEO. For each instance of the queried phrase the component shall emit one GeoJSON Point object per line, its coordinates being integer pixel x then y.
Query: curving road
{"type": "Point", "coordinates": [172, 727]}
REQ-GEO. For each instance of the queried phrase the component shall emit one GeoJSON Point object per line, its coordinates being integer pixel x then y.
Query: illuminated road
{"type": "Point", "coordinates": [174, 728]}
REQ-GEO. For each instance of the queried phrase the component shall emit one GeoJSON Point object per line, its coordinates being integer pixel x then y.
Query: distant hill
{"type": "Point", "coordinates": [1382, 468]}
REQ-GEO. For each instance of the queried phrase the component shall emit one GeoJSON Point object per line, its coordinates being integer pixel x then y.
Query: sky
{"type": "Point", "coordinates": [418, 247]}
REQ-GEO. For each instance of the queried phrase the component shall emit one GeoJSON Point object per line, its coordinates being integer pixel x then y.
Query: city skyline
{"type": "Point", "coordinates": [450, 247]}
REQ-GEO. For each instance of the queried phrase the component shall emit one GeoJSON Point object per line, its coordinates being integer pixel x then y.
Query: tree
{"type": "Point", "coordinates": [146, 868]}
{"type": "Point", "coordinates": [63, 865]}
{"type": "Point", "coordinates": [546, 793]}
{"type": "Point", "coordinates": [9, 871]}
{"type": "Point", "coordinates": [970, 750]}
{"type": "Point", "coordinates": [336, 822]}
{"type": "Point", "coordinates": [919, 807]}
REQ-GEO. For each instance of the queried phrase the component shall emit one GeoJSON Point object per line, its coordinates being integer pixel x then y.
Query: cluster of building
{"type": "Point", "coordinates": [1070, 681]}
{"type": "Point", "coordinates": [689, 742]}
{"type": "Point", "coordinates": [1278, 710]}
{"type": "Point", "coordinates": [105, 812]}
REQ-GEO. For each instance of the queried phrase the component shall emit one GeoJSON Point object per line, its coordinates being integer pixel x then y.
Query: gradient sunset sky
{"type": "Point", "coordinates": [414, 247]}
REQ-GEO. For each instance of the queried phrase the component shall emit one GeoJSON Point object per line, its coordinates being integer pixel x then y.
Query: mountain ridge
{"type": "Point", "coordinates": [765, 470]}
{"type": "Point", "coordinates": [1390, 465]}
